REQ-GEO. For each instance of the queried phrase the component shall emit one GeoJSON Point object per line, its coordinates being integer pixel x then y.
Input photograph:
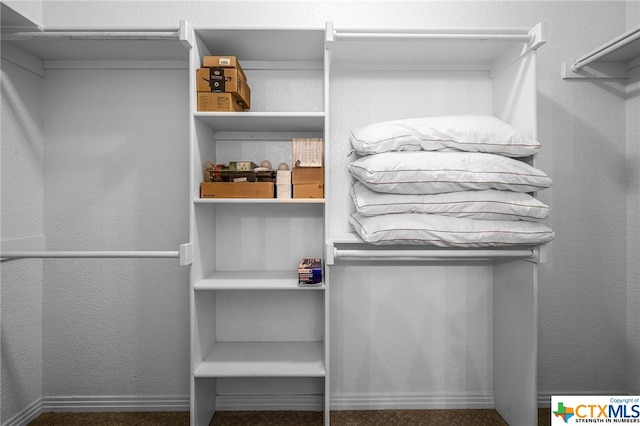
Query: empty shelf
{"type": "Point", "coordinates": [252, 280]}
{"type": "Point", "coordinates": [263, 359]}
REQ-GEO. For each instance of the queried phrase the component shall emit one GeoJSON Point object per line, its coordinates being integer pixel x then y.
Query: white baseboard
{"type": "Point", "coordinates": [410, 401]}
{"type": "Point", "coordinates": [269, 402]}
{"type": "Point", "coordinates": [89, 404]}
{"type": "Point", "coordinates": [27, 415]}
{"type": "Point", "coordinates": [115, 403]}
{"type": "Point", "coordinates": [403, 401]}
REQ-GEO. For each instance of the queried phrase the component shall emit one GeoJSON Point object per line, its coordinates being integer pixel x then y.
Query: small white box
{"type": "Point", "coordinates": [283, 177]}
{"type": "Point", "coordinates": [284, 191]}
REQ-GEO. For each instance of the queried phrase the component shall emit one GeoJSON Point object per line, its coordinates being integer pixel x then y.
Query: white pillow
{"type": "Point", "coordinates": [436, 172]}
{"type": "Point", "coordinates": [444, 231]}
{"type": "Point", "coordinates": [469, 133]}
{"type": "Point", "coordinates": [489, 204]}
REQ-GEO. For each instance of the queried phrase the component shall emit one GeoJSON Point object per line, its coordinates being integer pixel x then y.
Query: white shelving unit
{"type": "Point", "coordinates": [250, 320]}
{"type": "Point", "coordinates": [254, 330]}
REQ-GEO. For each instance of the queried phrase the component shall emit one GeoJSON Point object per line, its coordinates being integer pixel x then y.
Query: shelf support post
{"type": "Point", "coordinates": [185, 34]}
{"type": "Point", "coordinates": [186, 254]}
{"type": "Point", "coordinates": [330, 257]}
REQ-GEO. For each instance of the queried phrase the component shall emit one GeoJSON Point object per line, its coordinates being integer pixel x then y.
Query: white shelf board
{"type": "Point", "coordinates": [259, 44]}
{"type": "Point", "coordinates": [347, 238]}
{"type": "Point", "coordinates": [253, 280]}
{"type": "Point", "coordinates": [258, 200]}
{"type": "Point", "coordinates": [620, 49]}
{"type": "Point", "coordinates": [353, 238]}
{"type": "Point", "coordinates": [610, 61]}
{"type": "Point", "coordinates": [105, 50]}
{"type": "Point", "coordinates": [474, 54]}
{"type": "Point", "coordinates": [263, 359]}
{"type": "Point", "coordinates": [263, 121]}
{"type": "Point", "coordinates": [625, 53]}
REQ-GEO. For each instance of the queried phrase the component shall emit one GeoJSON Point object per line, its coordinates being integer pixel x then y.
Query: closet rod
{"type": "Point", "coordinates": [435, 254]}
{"type": "Point", "coordinates": [86, 254]}
{"type": "Point", "coordinates": [613, 45]}
{"type": "Point", "coordinates": [356, 36]}
{"type": "Point", "coordinates": [92, 35]}
{"type": "Point", "coordinates": [185, 254]}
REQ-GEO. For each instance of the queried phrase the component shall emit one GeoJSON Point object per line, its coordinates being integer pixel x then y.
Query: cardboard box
{"type": "Point", "coordinates": [307, 152]}
{"type": "Point", "coordinates": [221, 62]}
{"type": "Point", "coordinates": [235, 83]}
{"type": "Point", "coordinates": [236, 190]}
{"type": "Point", "coordinates": [310, 271]}
{"type": "Point", "coordinates": [308, 190]}
{"type": "Point", "coordinates": [307, 175]}
{"type": "Point", "coordinates": [218, 102]}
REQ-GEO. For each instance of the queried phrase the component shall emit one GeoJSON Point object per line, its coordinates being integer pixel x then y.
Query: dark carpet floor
{"type": "Point", "coordinates": [288, 418]}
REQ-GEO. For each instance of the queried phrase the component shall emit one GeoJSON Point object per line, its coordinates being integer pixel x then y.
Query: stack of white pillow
{"type": "Point", "coordinates": [448, 181]}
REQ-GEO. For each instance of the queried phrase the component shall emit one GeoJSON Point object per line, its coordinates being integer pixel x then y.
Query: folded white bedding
{"type": "Point", "coordinates": [489, 204]}
{"type": "Point", "coordinates": [444, 231]}
{"type": "Point", "coordinates": [470, 133]}
{"type": "Point", "coordinates": [426, 172]}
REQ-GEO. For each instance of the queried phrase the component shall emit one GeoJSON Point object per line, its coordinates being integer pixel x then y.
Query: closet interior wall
{"type": "Point", "coordinates": [113, 131]}
{"type": "Point", "coordinates": [115, 178]}
{"type": "Point", "coordinates": [22, 216]}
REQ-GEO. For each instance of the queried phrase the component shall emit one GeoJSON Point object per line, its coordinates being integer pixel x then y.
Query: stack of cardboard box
{"type": "Point", "coordinates": [307, 175]}
{"type": "Point", "coordinates": [222, 85]}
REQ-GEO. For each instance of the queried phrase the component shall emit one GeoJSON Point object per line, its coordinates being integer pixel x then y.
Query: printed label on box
{"type": "Point", "coordinates": [307, 152]}
{"type": "Point", "coordinates": [310, 271]}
